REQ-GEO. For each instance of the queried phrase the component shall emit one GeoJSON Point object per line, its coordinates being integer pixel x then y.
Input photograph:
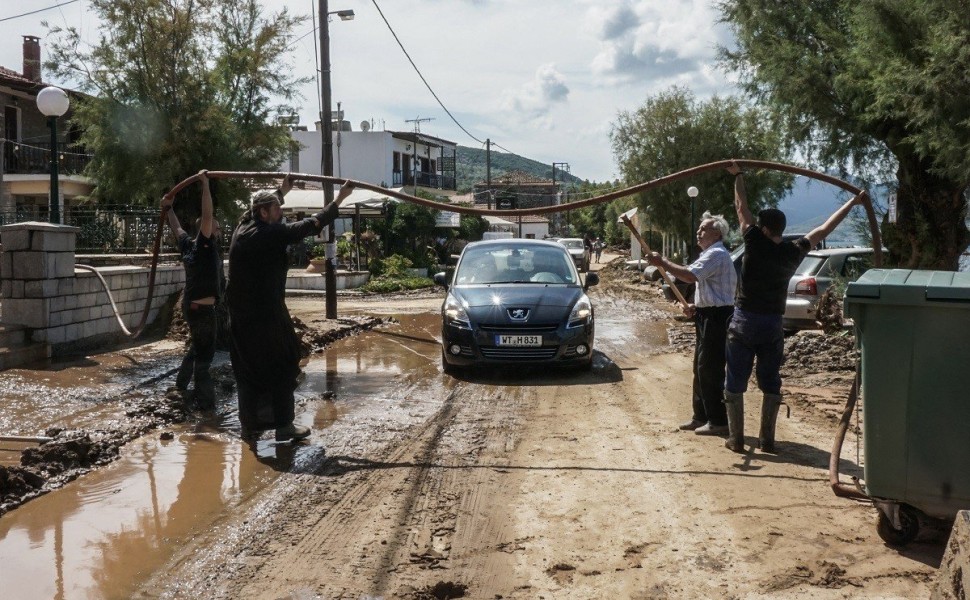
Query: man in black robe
{"type": "Point", "coordinates": [264, 348]}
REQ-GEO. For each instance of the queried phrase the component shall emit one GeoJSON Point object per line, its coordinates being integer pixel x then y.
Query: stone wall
{"type": "Point", "coordinates": [953, 577]}
{"type": "Point", "coordinates": [68, 309]}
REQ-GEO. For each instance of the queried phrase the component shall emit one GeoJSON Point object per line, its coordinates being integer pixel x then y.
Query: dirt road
{"type": "Point", "coordinates": [531, 484]}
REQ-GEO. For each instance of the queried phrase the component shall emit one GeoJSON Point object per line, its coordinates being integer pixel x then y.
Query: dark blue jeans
{"type": "Point", "coordinates": [751, 337]}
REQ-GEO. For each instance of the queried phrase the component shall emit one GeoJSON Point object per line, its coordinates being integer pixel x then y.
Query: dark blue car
{"type": "Point", "coordinates": [516, 302]}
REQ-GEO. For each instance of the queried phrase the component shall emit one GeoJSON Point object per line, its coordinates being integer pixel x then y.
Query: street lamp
{"type": "Point", "coordinates": [692, 191]}
{"type": "Point", "coordinates": [326, 156]}
{"type": "Point", "coordinates": [52, 103]}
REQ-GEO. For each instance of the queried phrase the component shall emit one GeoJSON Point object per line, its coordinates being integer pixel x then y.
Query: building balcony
{"type": "Point", "coordinates": [19, 159]}
{"type": "Point", "coordinates": [435, 181]}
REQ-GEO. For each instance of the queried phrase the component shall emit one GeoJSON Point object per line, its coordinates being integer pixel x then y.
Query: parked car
{"type": "Point", "coordinates": [817, 271]}
{"type": "Point", "coordinates": [516, 302]}
{"type": "Point", "coordinates": [578, 250]}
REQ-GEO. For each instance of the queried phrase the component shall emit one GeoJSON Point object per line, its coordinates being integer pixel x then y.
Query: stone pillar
{"type": "Point", "coordinates": [953, 577]}
{"type": "Point", "coordinates": [36, 259]}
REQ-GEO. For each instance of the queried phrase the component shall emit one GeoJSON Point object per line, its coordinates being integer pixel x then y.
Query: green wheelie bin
{"type": "Point", "coordinates": [913, 330]}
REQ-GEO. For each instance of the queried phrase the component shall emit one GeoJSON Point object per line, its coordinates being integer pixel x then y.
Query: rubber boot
{"type": "Point", "coordinates": [734, 403]}
{"type": "Point", "coordinates": [769, 414]}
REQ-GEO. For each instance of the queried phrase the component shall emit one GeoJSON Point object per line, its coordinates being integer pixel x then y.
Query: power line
{"type": "Point", "coordinates": [34, 12]}
{"type": "Point", "coordinates": [425, 81]}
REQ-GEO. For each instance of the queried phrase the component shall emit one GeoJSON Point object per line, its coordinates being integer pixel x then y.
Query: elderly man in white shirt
{"type": "Point", "coordinates": [717, 281]}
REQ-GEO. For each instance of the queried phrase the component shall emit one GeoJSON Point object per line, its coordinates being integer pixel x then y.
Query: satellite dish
{"type": "Point", "coordinates": [365, 126]}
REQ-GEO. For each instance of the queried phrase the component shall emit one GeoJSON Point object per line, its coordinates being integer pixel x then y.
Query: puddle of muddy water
{"type": "Point", "coordinates": [104, 534]}
{"type": "Point", "coordinates": [101, 535]}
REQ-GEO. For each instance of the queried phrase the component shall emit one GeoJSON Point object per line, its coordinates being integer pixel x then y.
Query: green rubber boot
{"type": "Point", "coordinates": [735, 414]}
{"type": "Point", "coordinates": [769, 414]}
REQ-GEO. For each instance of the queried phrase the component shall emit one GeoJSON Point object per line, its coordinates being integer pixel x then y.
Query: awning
{"type": "Point", "coordinates": [628, 214]}
{"type": "Point", "coordinates": [310, 201]}
{"type": "Point", "coordinates": [498, 222]}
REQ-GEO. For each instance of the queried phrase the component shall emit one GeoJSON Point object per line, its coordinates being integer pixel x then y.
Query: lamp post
{"type": "Point", "coordinates": [564, 166]}
{"type": "Point", "coordinates": [52, 103]}
{"type": "Point", "coordinates": [692, 191]}
{"type": "Point", "coordinates": [326, 156]}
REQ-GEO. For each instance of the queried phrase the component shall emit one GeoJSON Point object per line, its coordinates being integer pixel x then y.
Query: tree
{"type": "Point", "coordinates": [873, 86]}
{"type": "Point", "coordinates": [673, 131]}
{"type": "Point", "coordinates": [177, 86]}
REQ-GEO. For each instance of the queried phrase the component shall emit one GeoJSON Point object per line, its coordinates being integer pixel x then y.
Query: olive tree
{"type": "Point", "coordinates": [175, 86]}
{"type": "Point", "coordinates": [872, 86]}
{"type": "Point", "coordinates": [673, 131]}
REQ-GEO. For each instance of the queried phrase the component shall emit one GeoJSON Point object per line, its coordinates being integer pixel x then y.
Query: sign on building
{"type": "Point", "coordinates": [448, 219]}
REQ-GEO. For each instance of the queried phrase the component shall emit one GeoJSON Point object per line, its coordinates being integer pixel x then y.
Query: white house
{"type": "Point", "coordinates": [392, 159]}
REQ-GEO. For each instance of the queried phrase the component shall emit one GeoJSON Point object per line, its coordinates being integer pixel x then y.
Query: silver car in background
{"type": "Point", "coordinates": [817, 271]}
{"type": "Point", "coordinates": [578, 251]}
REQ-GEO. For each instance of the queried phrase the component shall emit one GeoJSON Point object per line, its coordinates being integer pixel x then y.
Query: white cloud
{"type": "Point", "coordinates": [534, 99]}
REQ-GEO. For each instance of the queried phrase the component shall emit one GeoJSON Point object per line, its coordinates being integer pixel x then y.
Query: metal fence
{"type": "Point", "coordinates": [103, 229]}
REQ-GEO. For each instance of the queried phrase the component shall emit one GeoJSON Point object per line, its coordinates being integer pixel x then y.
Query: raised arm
{"type": "Point", "coordinates": [745, 218]}
{"type": "Point", "coordinates": [822, 231]}
{"type": "Point", "coordinates": [173, 221]}
{"type": "Point", "coordinates": [206, 227]}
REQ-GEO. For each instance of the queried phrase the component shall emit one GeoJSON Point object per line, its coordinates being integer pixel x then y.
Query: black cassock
{"type": "Point", "coordinates": [264, 348]}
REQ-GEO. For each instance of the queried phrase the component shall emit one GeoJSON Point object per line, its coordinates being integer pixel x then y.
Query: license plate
{"type": "Point", "coordinates": [529, 341]}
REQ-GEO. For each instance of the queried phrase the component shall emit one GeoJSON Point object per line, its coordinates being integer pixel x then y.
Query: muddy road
{"type": "Point", "coordinates": [414, 484]}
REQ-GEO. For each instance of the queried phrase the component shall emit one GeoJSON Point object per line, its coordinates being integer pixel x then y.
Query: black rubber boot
{"type": "Point", "coordinates": [735, 415]}
{"type": "Point", "coordinates": [769, 414]}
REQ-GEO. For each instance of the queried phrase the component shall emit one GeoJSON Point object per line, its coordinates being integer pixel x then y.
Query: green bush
{"type": "Point", "coordinates": [385, 284]}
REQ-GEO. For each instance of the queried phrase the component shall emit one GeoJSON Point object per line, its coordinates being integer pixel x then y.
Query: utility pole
{"type": "Point", "coordinates": [488, 171]}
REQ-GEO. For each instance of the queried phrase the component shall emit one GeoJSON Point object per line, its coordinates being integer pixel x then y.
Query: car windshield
{"type": "Point", "coordinates": [572, 244]}
{"type": "Point", "coordinates": [502, 264]}
{"type": "Point", "coordinates": [810, 265]}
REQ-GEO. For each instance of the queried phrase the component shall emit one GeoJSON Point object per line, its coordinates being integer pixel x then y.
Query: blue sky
{"type": "Point", "coordinates": [542, 78]}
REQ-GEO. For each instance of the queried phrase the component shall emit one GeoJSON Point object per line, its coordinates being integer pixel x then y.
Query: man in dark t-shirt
{"type": "Point", "coordinates": [202, 262]}
{"type": "Point", "coordinates": [755, 332]}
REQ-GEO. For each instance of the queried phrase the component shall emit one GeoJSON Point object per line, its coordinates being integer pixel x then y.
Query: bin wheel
{"type": "Point", "coordinates": [909, 521]}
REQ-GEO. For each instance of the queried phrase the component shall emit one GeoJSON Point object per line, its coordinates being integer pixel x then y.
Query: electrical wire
{"type": "Point", "coordinates": [425, 81]}
{"type": "Point", "coordinates": [34, 12]}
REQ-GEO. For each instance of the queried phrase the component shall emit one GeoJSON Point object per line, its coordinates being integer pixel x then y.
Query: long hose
{"type": "Point", "coordinates": [840, 489]}
{"type": "Point", "coordinates": [636, 189]}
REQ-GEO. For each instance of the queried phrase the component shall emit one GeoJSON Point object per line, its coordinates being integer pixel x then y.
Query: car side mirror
{"type": "Point", "coordinates": [591, 280]}
{"type": "Point", "coordinates": [441, 279]}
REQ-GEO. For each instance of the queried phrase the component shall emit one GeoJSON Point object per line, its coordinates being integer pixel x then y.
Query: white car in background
{"type": "Point", "coordinates": [578, 251]}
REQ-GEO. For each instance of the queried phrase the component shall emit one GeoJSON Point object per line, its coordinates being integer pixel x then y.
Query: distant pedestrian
{"type": "Point", "coordinates": [716, 280]}
{"type": "Point", "coordinates": [597, 248]}
{"type": "Point", "coordinates": [756, 327]}
{"type": "Point", "coordinates": [264, 348]}
{"type": "Point", "coordinates": [202, 261]}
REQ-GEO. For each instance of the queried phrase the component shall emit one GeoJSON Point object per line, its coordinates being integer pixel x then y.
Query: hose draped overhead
{"type": "Point", "coordinates": [471, 210]}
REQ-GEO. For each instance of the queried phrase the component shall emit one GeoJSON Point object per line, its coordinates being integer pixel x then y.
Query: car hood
{"type": "Point", "coordinates": [491, 302]}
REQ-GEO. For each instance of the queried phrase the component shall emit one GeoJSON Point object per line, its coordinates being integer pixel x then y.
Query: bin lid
{"type": "Point", "coordinates": [906, 286]}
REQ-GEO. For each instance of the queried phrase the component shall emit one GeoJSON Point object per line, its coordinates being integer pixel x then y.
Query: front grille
{"type": "Point", "coordinates": [497, 353]}
{"type": "Point", "coordinates": [570, 351]}
{"type": "Point", "coordinates": [519, 328]}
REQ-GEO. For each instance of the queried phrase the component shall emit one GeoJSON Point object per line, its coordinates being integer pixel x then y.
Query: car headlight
{"type": "Point", "coordinates": [455, 313]}
{"type": "Point", "coordinates": [582, 312]}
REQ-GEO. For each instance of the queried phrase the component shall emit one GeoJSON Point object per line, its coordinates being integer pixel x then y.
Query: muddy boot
{"type": "Point", "coordinates": [735, 414]}
{"type": "Point", "coordinates": [769, 413]}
